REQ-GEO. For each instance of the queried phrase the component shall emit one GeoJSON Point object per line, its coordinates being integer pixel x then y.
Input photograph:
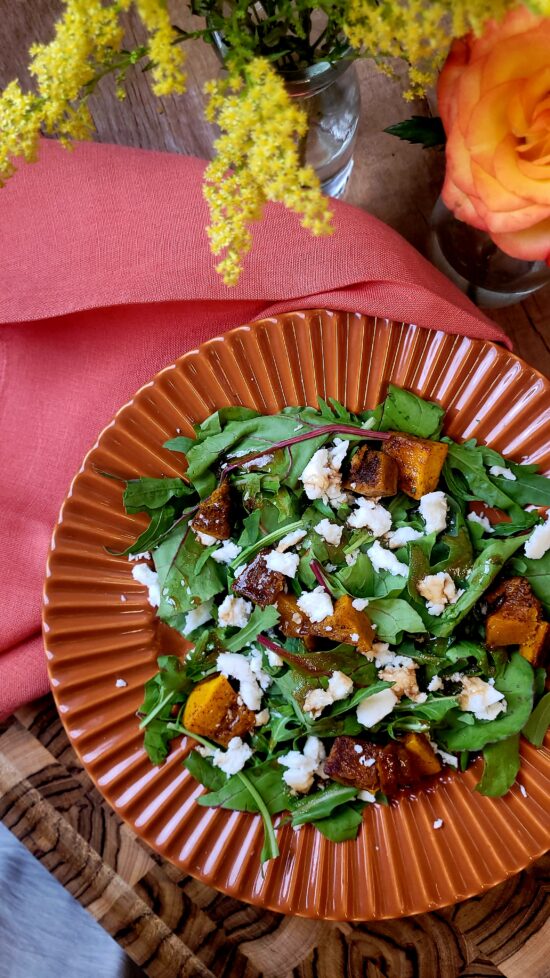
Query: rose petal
{"type": "Point", "coordinates": [508, 173]}
{"type": "Point", "coordinates": [489, 125]}
{"type": "Point", "coordinates": [446, 95]}
{"type": "Point", "coordinates": [518, 56]}
{"type": "Point", "coordinates": [492, 194]}
{"type": "Point", "coordinates": [533, 244]}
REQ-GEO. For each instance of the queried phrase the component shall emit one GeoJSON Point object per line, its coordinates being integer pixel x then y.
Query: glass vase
{"type": "Point", "coordinates": [469, 257]}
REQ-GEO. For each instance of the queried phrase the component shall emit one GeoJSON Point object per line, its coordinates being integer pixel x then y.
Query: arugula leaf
{"type": "Point", "coordinates": [528, 488]}
{"type": "Point", "coordinates": [467, 460]}
{"type": "Point", "coordinates": [260, 620]}
{"type": "Point", "coordinates": [516, 682]}
{"type": "Point", "coordinates": [185, 587]}
{"type": "Point", "coordinates": [143, 495]}
{"type": "Point", "coordinates": [161, 521]}
{"type": "Point", "coordinates": [461, 651]}
{"type": "Point", "coordinates": [539, 721]}
{"type": "Point", "coordinates": [433, 710]}
{"type": "Point", "coordinates": [392, 617]}
{"type": "Point", "coordinates": [320, 803]}
{"type": "Point", "coordinates": [156, 740]}
{"type": "Point", "coordinates": [405, 411]}
{"type": "Point", "coordinates": [266, 778]}
{"type": "Point", "coordinates": [251, 529]}
{"type": "Point", "coordinates": [203, 771]}
{"type": "Point", "coordinates": [343, 824]}
{"type": "Point", "coordinates": [537, 573]}
{"type": "Point", "coordinates": [500, 768]}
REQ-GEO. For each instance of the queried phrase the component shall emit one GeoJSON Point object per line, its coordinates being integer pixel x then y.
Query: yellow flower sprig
{"type": "Point", "coordinates": [257, 160]}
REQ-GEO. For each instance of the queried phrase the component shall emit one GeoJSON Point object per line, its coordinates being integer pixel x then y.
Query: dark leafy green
{"type": "Point", "coordinates": [405, 411]}
{"type": "Point", "coordinates": [500, 767]}
{"type": "Point", "coordinates": [537, 725]}
{"type": "Point", "coordinates": [392, 617]}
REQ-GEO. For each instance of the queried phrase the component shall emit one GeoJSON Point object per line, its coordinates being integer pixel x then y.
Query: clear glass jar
{"type": "Point", "coordinates": [469, 257]}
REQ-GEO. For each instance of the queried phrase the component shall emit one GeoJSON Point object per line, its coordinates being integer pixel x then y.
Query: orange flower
{"type": "Point", "coordinates": [494, 99]}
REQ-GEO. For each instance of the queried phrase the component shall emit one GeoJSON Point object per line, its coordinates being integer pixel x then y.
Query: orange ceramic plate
{"type": "Point", "coordinates": [98, 626]}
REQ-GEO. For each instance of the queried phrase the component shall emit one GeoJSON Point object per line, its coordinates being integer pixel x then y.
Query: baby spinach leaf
{"type": "Point", "coordinates": [203, 771]}
{"type": "Point", "coordinates": [260, 620]}
{"type": "Point", "coordinates": [156, 740]}
{"type": "Point", "coordinates": [144, 495]}
{"type": "Point", "coordinates": [343, 824]}
{"type": "Point", "coordinates": [516, 682]}
{"type": "Point", "coordinates": [320, 804]}
{"type": "Point", "coordinates": [500, 767]}
{"type": "Point", "coordinates": [537, 573]}
{"type": "Point", "coordinates": [538, 723]}
{"type": "Point", "coordinates": [251, 529]}
{"type": "Point", "coordinates": [433, 710]}
{"type": "Point", "coordinates": [266, 778]}
{"type": "Point", "coordinates": [392, 617]}
{"type": "Point", "coordinates": [405, 411]}
{"type": "Point", "coordinates": [461, 651]}
{"type": "Point", "coordinates": [185, 587]}
{"type": "Point", "coordinates": [359, 578]}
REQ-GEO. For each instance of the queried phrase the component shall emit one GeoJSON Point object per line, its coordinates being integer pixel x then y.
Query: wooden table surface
{"type": "Point", "coordinates": [171, 925]}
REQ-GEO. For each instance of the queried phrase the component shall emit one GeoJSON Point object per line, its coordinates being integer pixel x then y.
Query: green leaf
{"type": "Point", "coordinates": [433, 710]}
{"type": "Point", "coordinates": [428, 131]}
{"type": "Point", "coordinates": [156, 741]}
{"type": "Point", "coordinates": [538, 723]}
{"type": "Point", "coordinates": [260, 620]}
{"type": "Point", "coordinates": [500, 767]}
{"type": "Point", "coordinates": [142, 495]}
{"type": "Point", "coordinates": [405, 411]}
{"type": "Point", "coordinates": [202, 769]}
{"type": "Point", "coordinates": [358, 696]}
{"type": "Point", "coordinates": [267, 779]}
{"type": "Point", "coordinates": [392, 617]}
{"type": "Point", "coordinates": [161, 521]}
{"type": "Point", "coordinates": [320, 803]}
{"type": "Point", "coordinates": [516, 682]}
{"type": "Point", "coordinates": [343, 824]}
{"type": "Point", "coordinates": [537, 573]}
{"type": "Point", "coordinates": [185, 587]}
{"type": "Point", "coordinates": [467, 460]}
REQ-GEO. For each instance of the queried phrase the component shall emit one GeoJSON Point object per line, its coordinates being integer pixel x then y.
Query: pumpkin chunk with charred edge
{"type": "Point", "coordinates": [427, 760]}
{"type": "Point", "coordinates": [419, 462]}
{"type": "Point", "coordinates": [213, 710]}
{"type": "Point", "coordinates": [372, 473]}
{"type": "Point", "coordinates": [515, 618]}
{"type": "Point", "coordinates": [258, 583]}
{"type": "Point", "coordinates": [371, 767]}
{"type": "Point", "coordinates": [345, 625]}
{"type": "Point", "coordinates": [214, 515]}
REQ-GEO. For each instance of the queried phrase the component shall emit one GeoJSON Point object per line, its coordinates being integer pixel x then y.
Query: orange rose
{"type": "Point", "coordinates": [494, 99]}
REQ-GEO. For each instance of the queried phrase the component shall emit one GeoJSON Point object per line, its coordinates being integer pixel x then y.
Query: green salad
{"type": "Point", "coordinates": [367, 602]}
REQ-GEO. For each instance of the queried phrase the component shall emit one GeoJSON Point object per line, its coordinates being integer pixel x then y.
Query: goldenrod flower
{"type": "Point", "coordinates": [167, 57]}
{"type": "Point", "coordinates": [257, 160]}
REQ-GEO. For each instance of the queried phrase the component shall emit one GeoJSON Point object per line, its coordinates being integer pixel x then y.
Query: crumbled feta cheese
{"type": "Point", "coordinates": [290, 540]}
{"type": "Point", "coordinates": [359, 603]}
{"type": "Point", "coordinates": [367, 761]}
{"type": "Point", "coordinates": [234, 612]}
{"type": "Point", "coordinates": [382, 559]}
{"type": "Point", "coordinates": [403, 677]}
{"type": "Point", "coordinates": [366, 796]}
{"type": "Point", "coordinates": [382, 654]}
{"type": "Point", "coordinates": [301, 767]}
{"type": "Point", "coordinates": [434, 684]}
{"type": "Point", "coordinates": [226, 553]}
{"type": "Point", "coordinates": [523, 790]}
{"type": "Point", "coordinates": [237, 666]}
{"type": "Point", "coordinates": [256, 664]}
{"type": "Point", "coordinates": [433, 510]}
{"type": "Point", "coordinates": [142, 556]}
{"type": "Point", "coordinates": [274, 659]}
{"type": "Point", "coordinates": [438, 823]}
{"type": "Point", "coordinates": [371, 515]}
{"type": "Point", "coordinates": [261, 718]}
{"type": "Point", "coordinates": [233, 759]}
{"type": "Point", "coordinates": [120, 683]}
{"type": "Point", "coordinates": [206, 539]}
{"type": "Point", "coordinates": [481, 521]}
{"type": "Point", "coordinates": [238, 570]}
{"type": "Point", "coordinates": [354, 637]}
{"type": "Point", "coordinates": [143, 574]}
{"type": "Point", "coordinates": [358, 749]}
{"type": "Point", "coordinates": [339, 686]}
{"type": "Point", "coordinates": [398, 538]}
{"type": "Point", "coordinates": [503, 472]}
{"type": "Point", "coordinates": [321, 477]}
{"type": "Point", "coordinates": [539, 541]}
{"type": "Point", "coordinates": [438, 590]}
{"type": "Point", "coordinates": [374, 708]}
{"type": "Point", "coordinates": [204, 751]}
{"type": "Point", "coordinates": [284, 563]}
{"type": "Point", "coordinates": [330, 568]}
{"type": "Point", "coordinates": [317, 604]}
{"type": "Point", "coordinates": [352, 557]}
{"type": "Point", "coordinates": [449, 759]}
{"type": "Point", "coordinates": [481, 698]}
{"type": "Point", "coordinates": [123, 598]}
{"type": "Point", "coordinates": [331, 532]}
{"type": "Point", "coordinates": [316, 700]}
{"type": "Point", "coordinates": [197, 616]}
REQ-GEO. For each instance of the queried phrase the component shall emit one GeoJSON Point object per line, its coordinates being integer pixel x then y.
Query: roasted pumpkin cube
{"type": "Point", "coordinates": [214, 515]}
{"type": "Point", "coordinates": [353, 762]}
{"type": "Point", "coordinates": [259, 584]}
{"type": "Point", "coordinates": [213, 710]}
{"type": "Point", "coordinates": [345, 625]}
{"type": "Point", "coordinates": [372, 473]}
{"type": "Point", "coordinates": [506, 629]}
{"type": "Point", "coordinates": [535, 648]}
{"type": "Point", "coordinates": [419, 462]}
{"type": "Point", "coordinates": [427, 761]}
{"type": "Point", "coordinates": [517, 611]}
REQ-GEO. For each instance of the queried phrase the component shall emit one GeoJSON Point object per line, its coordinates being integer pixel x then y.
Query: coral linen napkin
{"type": "Point", "coordinates": [105, 277]}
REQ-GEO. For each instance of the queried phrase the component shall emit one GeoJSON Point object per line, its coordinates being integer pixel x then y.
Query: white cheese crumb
{"type": "Point", "coordinates": [120, 683]}
{"type": "Point", "coordinates": [438, 823]}
{"type": "Point", "coordinates": [142, 556]}
{"type": "Point", "coordinates": [261, 718]}
{"type": "Point", "coordinates": [398, 538]}
{"type": "Point", "coordinates": [290, 540]}
{"type": "Point", "coordinates": [481, 521]}
{"type": "Point", "coordinates": [284, 563]}
{"type": "Point", "coordinates": [197, 616]}
{"type": "Point", "coordinates": [359, 603]}
{"type": "Point", "coordinates": [481, 698]}
{"type": "Point", "coordinates": [382, 559]}
{"type": "Point", "coordinates": [523, 790]}
{"type": "Point", "coordinates": [358, 749]}
{"type": "Point", "coordinates": [331, 532]}
{"type": "Point", "coordinates": [206, 539]}
{"type": "Point", "coordinates": [403, 677]}
{"type": "Point", "coordinates": [370, 515]}
{"type": "Point", "coordinates": [503, 472]}
{"type": "Point", "coordinates": [316, 700]}
{"type": "Point", "coordinates": [233, 759]}
{"type": "Point", "coordinates": [238, 570]}
{"type": "Point", "coordinates": [374, 708]}
{"type": "Point", "coordinates": [433, 510]}
{"type": "Point", "coordinates": [321, 477]}
{"type": "Point", "coordinates": [234, 611]}
{"type": "Point", "coordinates": [449, 759]}
{"type": "Point", "coordinates": [352, 557]}
{"type": "Point", "coordinates": [438, 590]}
{"type": "Point", "coordinates": [539, 541]}
{"type": "Point", "coordinates": [256, 664]}
{"type": "Point", "coordinates": [366, 796]}
{"type": "Point", "coordinates": [339, 686]}
{"type": "Point", "coordinates": [143, 574]}
{"type": "Point", "coordinates": [367, 761]}
{"type": "Point", "coordinates": [236, 666]}
{"type": "Point", "coordinates": [301, 767]}
{"type": "Point", "coordinates": [226, 553]}
{"type": "Point", "coordinates": [317, 604]}
{"type": "Point", "coordinates": [274, 659]}
{"type": "Point", "coordinates": [123, 598]}
{"type": "Point", "coordinates": [434, 684]}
